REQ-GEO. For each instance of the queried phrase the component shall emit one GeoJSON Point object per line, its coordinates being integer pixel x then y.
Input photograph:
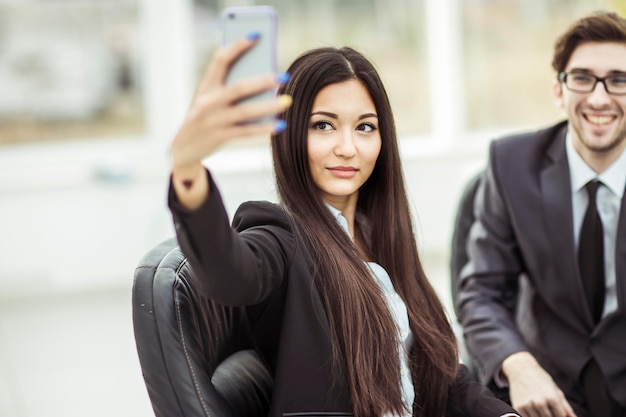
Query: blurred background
{"type": "Point", "coordinates": [91, 92]}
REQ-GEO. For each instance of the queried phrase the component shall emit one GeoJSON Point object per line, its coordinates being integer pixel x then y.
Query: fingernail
{"type": "Point", "coordinates": [253, 36]}
{"type": "Point", "coordinates": [280, 125]}
{"type": "Point", "coordinates": [283, 77]}
{"type": "Point", "coordinates": [285, 100]}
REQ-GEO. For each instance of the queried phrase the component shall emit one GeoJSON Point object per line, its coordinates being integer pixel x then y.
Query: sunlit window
{"type": "Point", "coordinates": [507, 54]}
{"type": "Point", "coordinates": [72, 69]}
{"type": "Point", "coordinates": [391, 33]}
{"type": "Point", "coordinates": [69, 69]}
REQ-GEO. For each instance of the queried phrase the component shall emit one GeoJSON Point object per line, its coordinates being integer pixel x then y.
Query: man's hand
{"type": "Point", "coordinates": [532, 390]}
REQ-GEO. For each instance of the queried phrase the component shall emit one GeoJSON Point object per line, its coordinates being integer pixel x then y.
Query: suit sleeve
{"type": "Point", "coordinates": [488, 283]}
{"type": "Point", "coordinates": [239, 265]}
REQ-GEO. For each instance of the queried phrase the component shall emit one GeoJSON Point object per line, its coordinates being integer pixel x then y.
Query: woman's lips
{"type": "Point", "coordinates": [343, 172]}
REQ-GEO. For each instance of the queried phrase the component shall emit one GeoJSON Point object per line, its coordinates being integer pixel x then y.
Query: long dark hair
{"type": "Point", "coordinates": [363, 332]}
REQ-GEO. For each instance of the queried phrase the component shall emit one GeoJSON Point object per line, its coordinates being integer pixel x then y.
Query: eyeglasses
{"type": "Point", "coordinates": [582, 82]}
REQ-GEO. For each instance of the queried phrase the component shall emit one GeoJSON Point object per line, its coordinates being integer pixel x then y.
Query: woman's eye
{"type": "Point", "coordinates": [322, 126]}
{"type": "Point", "coordinates": [366, 127]}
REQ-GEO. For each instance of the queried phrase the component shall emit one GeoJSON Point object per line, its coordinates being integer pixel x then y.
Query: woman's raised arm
{"type": "Point", "coordinates": [216, 116]}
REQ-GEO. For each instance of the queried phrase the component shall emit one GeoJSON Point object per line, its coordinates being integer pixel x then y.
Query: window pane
{"type": "Point", "coordinates": [69, 70]}
{"type": "Point", "coordinates": [508, 47]}
{"type": "Point", "coordinates": [391, 33]}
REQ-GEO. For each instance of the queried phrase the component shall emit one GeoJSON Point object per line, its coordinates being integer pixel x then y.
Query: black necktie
{"type": "Point", "coordinates": [591, 254]}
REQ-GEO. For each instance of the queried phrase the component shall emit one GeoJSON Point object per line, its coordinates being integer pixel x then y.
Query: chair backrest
{"type": "Point", "coordinates": [196, 355]}
{"type": "Point", "coordinates": [458, 258]}
{"type": "Point", "coordinates": [462, 223]}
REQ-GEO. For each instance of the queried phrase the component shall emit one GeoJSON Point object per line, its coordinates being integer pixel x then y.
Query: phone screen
{"type": "Point", "coordinates": [237, 23]}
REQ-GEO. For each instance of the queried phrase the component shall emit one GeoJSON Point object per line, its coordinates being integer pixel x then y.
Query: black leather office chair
{"type": "Point", "coordinates": [458, 258]}
{"type": "Point", "coordinates": [196, 355]}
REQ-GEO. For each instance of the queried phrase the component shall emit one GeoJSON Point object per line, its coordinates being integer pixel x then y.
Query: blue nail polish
{"type": "Point", "coordinates": [283, 77]}
{"type": "Point", "coordinates": [280, 125]}
{"type": "Point", "coordinates": [253, 36]}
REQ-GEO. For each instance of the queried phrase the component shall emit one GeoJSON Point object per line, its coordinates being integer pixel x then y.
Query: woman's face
{"type": "Point", "coordinates": [343, 141]}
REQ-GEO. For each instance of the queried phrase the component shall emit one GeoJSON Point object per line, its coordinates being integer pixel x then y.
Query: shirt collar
{"type": "Point", "coordinates": [339, 217]}
{"type": "Point", "coordinates": [614, 177]}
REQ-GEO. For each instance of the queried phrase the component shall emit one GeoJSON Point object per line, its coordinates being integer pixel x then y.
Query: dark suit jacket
{"type": "Point", "coordinates": [257, 263]}
{"type": "Point", "coordinates": [521, 288]}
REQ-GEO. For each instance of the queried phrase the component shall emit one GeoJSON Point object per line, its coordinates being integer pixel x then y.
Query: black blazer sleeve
{"type": "Point", "coordinates": [469, 398]}
{"type": "Point", "coordinates": [238, 265]}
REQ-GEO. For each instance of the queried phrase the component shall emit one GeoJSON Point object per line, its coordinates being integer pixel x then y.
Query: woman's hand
{"type": "Point", "coordinates": [215, 117]}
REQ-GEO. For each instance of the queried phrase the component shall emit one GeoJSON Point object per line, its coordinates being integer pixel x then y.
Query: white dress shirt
{"type": "Point", "coordinates": [608, 200]}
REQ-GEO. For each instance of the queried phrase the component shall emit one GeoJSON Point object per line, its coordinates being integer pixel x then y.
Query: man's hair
{"type": "Point", "coordinates": [600, 26]}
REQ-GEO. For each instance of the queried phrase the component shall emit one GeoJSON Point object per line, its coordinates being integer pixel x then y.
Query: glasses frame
{"type": "Point", "coordinates": [563, 78]}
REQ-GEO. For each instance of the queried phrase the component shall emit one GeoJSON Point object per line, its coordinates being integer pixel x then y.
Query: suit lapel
{"type": "Point", "coordinates": [620, 257]}
{"type": "Point", "coordinates": [557, 207]}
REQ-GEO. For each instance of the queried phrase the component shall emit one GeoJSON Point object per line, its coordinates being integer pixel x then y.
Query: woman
{"type": "Point", "coordinates": [343, 313]}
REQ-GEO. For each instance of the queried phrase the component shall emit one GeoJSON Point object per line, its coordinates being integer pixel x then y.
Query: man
{"type": "Point", "coordinates": [542, 299]}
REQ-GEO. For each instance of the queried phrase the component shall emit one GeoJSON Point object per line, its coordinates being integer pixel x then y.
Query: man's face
{"type": "Point", "coordinates": [597, 119]}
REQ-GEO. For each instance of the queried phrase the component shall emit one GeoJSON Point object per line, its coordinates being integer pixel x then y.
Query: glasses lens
{"type": "Point", "coordinates": [580, 82]}
{"type": "Point", "coordinates": [616, 84]}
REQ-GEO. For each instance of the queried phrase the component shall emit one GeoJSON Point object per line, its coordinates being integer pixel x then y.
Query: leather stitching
{"type": "Point", "coordinates": [184, 344]}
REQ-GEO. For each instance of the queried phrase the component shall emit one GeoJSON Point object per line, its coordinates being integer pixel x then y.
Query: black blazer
{"type": "Point", "coordinates": [257, 263]}
{"type": "Point", "coordinates": [521, 289]}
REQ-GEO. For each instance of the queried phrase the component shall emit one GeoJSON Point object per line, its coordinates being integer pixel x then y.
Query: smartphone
{"type": "Point", "coordinates": [237, 23]}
